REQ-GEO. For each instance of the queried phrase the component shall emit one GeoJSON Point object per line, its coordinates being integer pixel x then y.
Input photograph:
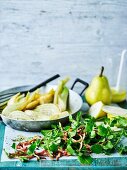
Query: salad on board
{"type": "Point", "coordinates": [81, 137]}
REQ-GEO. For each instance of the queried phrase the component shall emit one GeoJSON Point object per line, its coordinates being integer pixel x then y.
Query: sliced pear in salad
{"type": "Point", "coordinates": [118, 96]}
{"type": "Point", "coordinates": [96, 110]}
{"type": "Point", "coordinates": [113, 111]}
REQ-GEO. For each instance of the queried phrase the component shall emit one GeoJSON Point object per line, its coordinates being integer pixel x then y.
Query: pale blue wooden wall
{"type": "Point", "coordinates": [39, 38]}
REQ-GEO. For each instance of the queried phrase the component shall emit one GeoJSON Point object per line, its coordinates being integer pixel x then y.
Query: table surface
{"type": "Point", "coordinates": [107, 163]}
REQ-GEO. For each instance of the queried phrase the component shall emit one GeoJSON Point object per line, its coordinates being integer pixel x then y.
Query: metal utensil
{"type": "Point", "coordinates": [6, 96]}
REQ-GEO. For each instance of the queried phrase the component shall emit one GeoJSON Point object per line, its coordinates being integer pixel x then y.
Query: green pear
{"type": "Point", "coordinates": [99, 90]}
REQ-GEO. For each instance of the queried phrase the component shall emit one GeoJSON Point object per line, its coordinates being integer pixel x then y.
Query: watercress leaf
{"type": "Point", "coordinates": [70, 150]}
{"type": "Point", "coordinates": [78, 117]}
{"type": "Point", "coordinates": [87, 140]}
{"type": "Point", "coordinates": [53, 126]}
{"type": "Point", "coordinates": [57, 140]}
{"type": "Point", "coordinates": [125, 133]}
{"type": "Point", "coordinates": [93, 134]}
{"type": "Point", "coordinates": [31, 148]}
{"type": "Point", "coordinates": [96, 148]}
{"type": "Point", "coordinates": [80, 154]}
{"type": "Point", "coordinates": [13, 145]}
{"type": "Point", "coordinates": [85, 159]}
{"type": "Point", "coordinates": [102, 131]}
{"type": "Point", "coordinates": [66, 128]}
{"type": "Point", "coordinates": [72, 133]}
{"type": "Point", "coordinates": [23, 159]}
{"type": "Point", "coordinates": [89, 126]}
{"type": "Point", "coordinates": [53, 147]}
{"type": "Point", "coordinates": [113, 122]}
{"type": "Point", "coordinates": [60, 126]}
{"type": "Point", "coordinates": [46, 132]}
{"type": "Point", "coordinates": [69, 141]}
{"type": "Point", "coordinates": [122, 149]}
{"type": "Point", "coordinates": [106, 120]}
{"type": "Point", "coordinates": [110, 137]}
{"type": "Point", "coordinates": [108, 145]}
{"type": "Point", "coordinates": [70, 118]}
{"type": "Point", "coordinates": [38, 142]}
{"type": "Point", "coordinates": [102, 140]}
{"type": "Point", "coordinates": [121, 122]}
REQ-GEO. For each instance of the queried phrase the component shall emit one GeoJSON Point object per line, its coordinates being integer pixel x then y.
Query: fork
{"type": "Point", "coordinates": [5, 97]}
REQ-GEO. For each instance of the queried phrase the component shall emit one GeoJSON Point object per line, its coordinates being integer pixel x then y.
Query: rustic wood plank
{"type": "Point", "coordinates": [39, 38]}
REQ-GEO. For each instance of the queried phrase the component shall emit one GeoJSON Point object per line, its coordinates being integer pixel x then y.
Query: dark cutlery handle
{"type": "Point", "coordinates": [82, 82]}
{"type": "Point", "coordinates": [44, 83]}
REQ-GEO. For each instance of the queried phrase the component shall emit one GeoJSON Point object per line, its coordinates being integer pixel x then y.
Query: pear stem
{"type": "Point", "coordinates": [102, 70]}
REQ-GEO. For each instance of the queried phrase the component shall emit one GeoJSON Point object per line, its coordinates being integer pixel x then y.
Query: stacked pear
{"type": "Point", "coordinates": [99, 90]}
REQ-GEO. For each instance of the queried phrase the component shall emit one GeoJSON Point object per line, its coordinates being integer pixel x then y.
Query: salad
{"type": "Point", "coordinates": [81, 138]}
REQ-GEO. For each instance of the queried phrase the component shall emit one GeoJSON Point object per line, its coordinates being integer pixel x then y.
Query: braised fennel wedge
{"type": "Point", "coordinates": [38, 106]}
{"type": "Point", "coordinates": [81, 138]}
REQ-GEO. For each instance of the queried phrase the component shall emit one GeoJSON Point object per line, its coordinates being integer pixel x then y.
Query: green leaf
{"type": "Point", "coordinates": [70, 118]}
{"type": "Point", "coordinates": [23, 159]}
{"type": "Point", "coordinates": [102, 131]}
{"type": "Point", "coordinates": [121, 122]}
{"type": "Point", "coordinates": [93, 134]}
{"type": "Point", "coordinates": [38, 142]}
{"type": "Point", "coordinates": [113, 122]}
{"type": "Point", "coordinates": [46, 132]}
{"type": "Point", "coordinates": [57, 140]}
{"type": "Point", "coordinates": [13, 145]}
{"type": "Point", "coordinates": [89, 125]}
{"type": "Point", "coordinates": [31, 148]}
{"type": "Point", "coordinates": [85, 159]}
{"type": "Point", "coordinates": [66, 128]}
{"type": "Point", "coordinates": [53, 147]}
{"type": "Point", "coordinates": [102, 140]}
{"type": "Point", "coordinates": [70, 150]}
{"type": "Point", "coordinates": [109, 145]}
{"type": "Point", "coordinates": [72, 133]}
{"type": "Point", "coordinates": [96, 148]}
{"type": "Point", "coordinates": [122, 149]}
{"type": "Point", "coordinates": [69, 141]}
{"type": "Point", "coordinates": [110, 137]}
{"type": "Point", "coordinates": [125, 133]}
{"type": "Point", "coordinates": [60, 126]}
{"type": "Point", "coordinates": [78, 117]}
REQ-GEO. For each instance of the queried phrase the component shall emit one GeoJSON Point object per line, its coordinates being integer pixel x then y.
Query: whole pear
{"type": "Point", "coordinates": [99, 90]}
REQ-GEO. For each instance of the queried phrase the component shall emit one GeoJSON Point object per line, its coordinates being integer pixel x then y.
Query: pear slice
{"type": "Point", "coordinates": [96, 110]}
{"type": "Point", "coordinates": [118, 96]}
{"type": "Point", "coordinates": [113, 111]}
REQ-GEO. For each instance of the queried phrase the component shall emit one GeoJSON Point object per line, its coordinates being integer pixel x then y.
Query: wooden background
{"type": "Point", "coordinates": [39, 38]}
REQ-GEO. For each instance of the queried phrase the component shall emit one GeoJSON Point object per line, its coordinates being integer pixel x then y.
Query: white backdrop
{"type": "Point", "coordinates": [39, 38]}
